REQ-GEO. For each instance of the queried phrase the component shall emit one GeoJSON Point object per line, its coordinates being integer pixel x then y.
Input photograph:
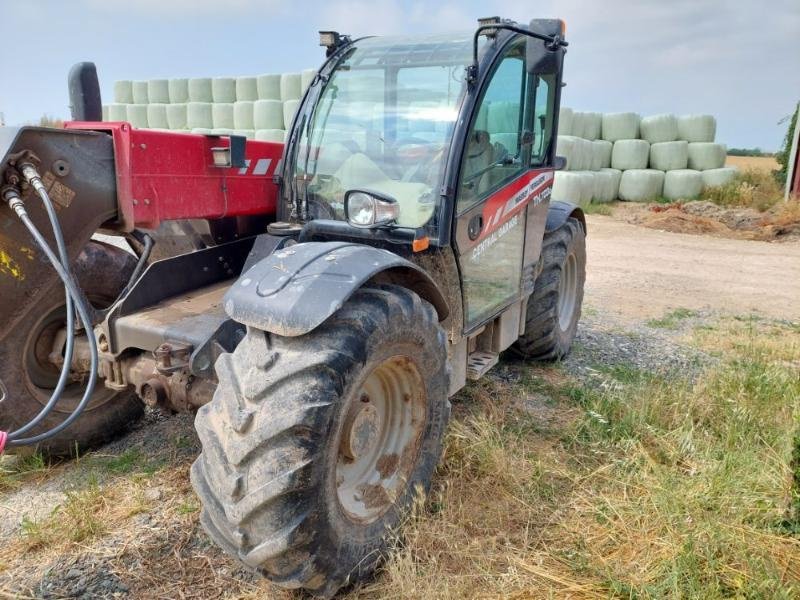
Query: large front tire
{"type": "Point", "coordinates": [554, 308]}
{"type": "Point", "coordinates": [314, 447]}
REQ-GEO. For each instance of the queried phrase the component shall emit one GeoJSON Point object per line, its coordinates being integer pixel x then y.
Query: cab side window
{"type": "Point", "coordinates": [494, 154]}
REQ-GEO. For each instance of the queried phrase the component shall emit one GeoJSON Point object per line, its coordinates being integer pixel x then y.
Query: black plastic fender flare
{"type": "Point", "coordinates": [293, 290]}
{"type": "Point", "coordinates": [558, 212]}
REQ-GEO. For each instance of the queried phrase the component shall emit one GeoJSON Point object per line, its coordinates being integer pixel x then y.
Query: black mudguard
{"type": "Point", "coordinates": [295, 289]}
{"type": "Point", "coordinates": [559, 212]}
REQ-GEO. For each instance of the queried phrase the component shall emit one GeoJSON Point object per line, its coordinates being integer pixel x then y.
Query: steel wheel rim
{"type": "Point", "coordinates": [379, 442]}
{"type": "Point", "coordinates": [567, 292]}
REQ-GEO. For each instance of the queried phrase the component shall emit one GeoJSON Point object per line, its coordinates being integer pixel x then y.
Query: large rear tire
{"type": "Point", "coordinates": [554, 308]}
{"type": "Point", "coordinates": [27, 377]}
{"type": "Point", "coordinates": [314, 447]}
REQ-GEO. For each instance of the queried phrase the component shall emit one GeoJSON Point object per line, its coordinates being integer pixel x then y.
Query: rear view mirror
{"type": "Point", "coordinates": [559, 163]}
{"type": "Point", "coordinates": [544, 57]}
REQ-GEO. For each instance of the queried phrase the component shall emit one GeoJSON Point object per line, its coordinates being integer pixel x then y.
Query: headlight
{"type": "Point", "coordinates": [367, 209]}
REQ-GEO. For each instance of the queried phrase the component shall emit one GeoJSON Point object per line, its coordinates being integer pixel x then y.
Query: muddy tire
{"type": "Point", "coordinates": [554, 309]}
{"type": "Point", "coordinates": [27, 377]}
{"type": "Point", "coordinates": [314, 447]}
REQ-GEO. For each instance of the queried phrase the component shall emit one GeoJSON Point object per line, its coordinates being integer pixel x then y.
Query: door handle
{"type": "Point", "coordinates": [475, 226]}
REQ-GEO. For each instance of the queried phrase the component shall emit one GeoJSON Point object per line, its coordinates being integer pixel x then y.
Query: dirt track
{"type": "Point", "coordinates": [637, 273]}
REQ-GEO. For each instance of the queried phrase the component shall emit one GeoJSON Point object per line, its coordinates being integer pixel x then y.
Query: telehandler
{"type": "Point", "coordinates": [322, 299]}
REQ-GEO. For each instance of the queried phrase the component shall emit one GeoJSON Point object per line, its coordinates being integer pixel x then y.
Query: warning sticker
{"type": "Point", "coordinates": [59, 193]}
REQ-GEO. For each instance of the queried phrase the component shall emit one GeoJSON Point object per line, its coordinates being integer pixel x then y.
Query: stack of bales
{"type": "Point", "coordinates": [621, 155]}
{"type": "Point", "coordinates": [260, 108]}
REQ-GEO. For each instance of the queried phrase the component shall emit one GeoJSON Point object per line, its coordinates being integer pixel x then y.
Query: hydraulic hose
{"type": "Point", "coordinates": [62, 269]}
{"type": "Point", "coordinates": [33, 178]}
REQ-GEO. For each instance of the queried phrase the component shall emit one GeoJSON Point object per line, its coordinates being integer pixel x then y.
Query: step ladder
{"type": "Point", "coordinates": [480, 362]}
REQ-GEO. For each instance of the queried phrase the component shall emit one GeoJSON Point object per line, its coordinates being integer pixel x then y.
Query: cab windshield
{"type": "Point", "coordinates": [383, 122]}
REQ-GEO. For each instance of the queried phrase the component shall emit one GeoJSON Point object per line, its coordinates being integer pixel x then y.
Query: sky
{"type": "Point", "coordinates": [738, 60]}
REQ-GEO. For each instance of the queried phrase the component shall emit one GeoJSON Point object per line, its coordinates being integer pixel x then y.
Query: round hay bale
{"type": "Point", "coordinates": [577, 151]}
{"type": "Point", "coordinates": [117, 112]}
{"type": "Point", "coordinates": [306, 77]}
{"type": "Point", "coordinates": [601, 154]}
{"type": "Point", "coordinates": [606, 185]}
{"type": "Point", "coordinates": [289, 108]}
{"type": "Point", "coordinates": [157, 116]}
{"type": "Point", "coordinates": [222, 131]}
{"type": "Point", "coordinates": [223, 89]}
{"type": "Point", "coordinates": [659, 128]}
{"type": "Point", "coordinates": [578, 120]}
{"type": "Point", "coordinates": [683, 184]}
{"type": "Point", "coordinates": [669, 156]}
{"type": "Point", "coordinates": [268, 114]}
{"type": "Point", "coordinates": [158, 91]}
{"type": "Point", "coordinates": [200, 89]}
{"type": "Point", "coordinates": [592, 125]}
{"type": "Point", "coordinates": [565, 121]}
{"type": "Point", "coordinates": [222, 115]}
{"type": "Point", "coordinates": [246, 88]}
{"type": "Point", "coordinates": [243, 115]}
{"type": "Point", "coordinates": [139, 92]}
{"type": "Point", "coordinates": [104, 113]}
{"type": "Point", "coordinates": [199, 115]}
{"type": "Point", "coordinates": [573, 186]}
{"type": "Point", "coordinates": [630, 154]}
{"type": "Point", "coordinates": [620, 126]}
{"type": "Point", "coordinates": [641, 185]}
{"type": "Point", "coordinates": [271, 135]}
{"type": "Point", "coordinates": [137, 115]}
{"type": "Point", "coordinates": [290, 86]}
{"type": "Point", "coordinates": [176, 116]}
{"type": "Point", "coordinates": [269, 87]}
{"type": "Point", "coordinates": [250, 134]}
{"type": "Point", "coordinates": [717, 177]}
{"type": "Point", "coordinates": [201, 130]}
{"type": "Point", "coordinates": [697, 128]}
{"type": "Point", "coordinates": [707, 155]}
{"type": "Point", "coordinates": [123, 92]}
{"type": "Point", "coordinates": [178, 91]}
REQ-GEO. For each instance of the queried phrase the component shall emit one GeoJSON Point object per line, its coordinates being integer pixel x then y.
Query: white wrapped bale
{"type": "Point", "coordinates": [243, 115]}
{"type": "Point", "coordinates": [223, 131]}
{"type": "Point", "coordinates": [641, 185]}
{"type": "Point", "coordinates": [290, 86]}
{"type": "Point", "coordinates": [201, 130]}
{"type": "Point", "coordinates": [178, 91]}
{"type": "Point", "coordinates": [697, 128]}
{"type": "Point", "coordinates": [246, 88]}
{"type": "Point", "coordinates": [565, 121]}
{"type": "Point", "coordinates": [176, 116]}
{"type": "Point", "coordinates": [601, 154]}
{"type": "Point", "coordinates": [289, 108]}
{"type": "Point", "coordinates": [105, 113]}
{"type": "Point", "coordinates": [270, 135]}
{"type": "Point", "coordinates": [578, 119]}
{"type": "Point", "coordinates": [123, 92]}
{"type": "Point", "coordinates": [630, 154]}
{"type": "Point", "coordinates": [706, 155]}
{"type": "Point", "coordinates": [269, 87]}
{"type": "Point", "coordinates": [137, 115]}
{"type": "Point", "coordinates": [659, 128]}
{"type": "Point", "coordinates": [683, 184]}
{"type": "Point", "coordinates": [199, 115]}
{"type": "Point", "coordinates": [573, 186]}
{"type": "Point", "coordinates": [139, 92]}
{"type": "Point", "coordinates": [718, 177]}
{"type": "Point", "coordinates": [158, 91]}
{"type": "Point", "coordinates": [592, 125]}
{"type": "Point", "coordinates": [157, 116]}
{"type": "Point", "coordinates": [268, 114]}
{"type": "Point", "coordinates": [606, 185]}
{"type": "Point", "coordinates": [669, 156]}
{"type": "Point", "coordinates": [117, 112]}
{"type": "Point", "coordinates": [200, 90]}
{"type": "Point", "coordinates": [222, 115]}
{"type": "Point", "coordinates": [250, 134]}
{"type": "Point", "coordinates": [620, 126]}
{"type": "Point", "coordinates": [306, 77]}
{"type": "Point", "coordinates": [223, 89]}
{"type": "Point", "coordinates": [577, 151]}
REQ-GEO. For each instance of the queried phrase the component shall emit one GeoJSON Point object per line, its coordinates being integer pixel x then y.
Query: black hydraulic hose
{"type": "Point", "coordinates": [83, 315]}
{"type": "Point", "coordinates": [70, 341]}
{"type": "Point", "coordinates": [147, 243]}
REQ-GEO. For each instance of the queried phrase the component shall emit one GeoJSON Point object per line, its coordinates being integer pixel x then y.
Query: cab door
{"type": "Point", "coordinates": [503, 186]}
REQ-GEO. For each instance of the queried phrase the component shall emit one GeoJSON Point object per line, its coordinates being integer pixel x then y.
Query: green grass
{"type": "Point", "coordinates": [673, 319]}
{"type": "Point", "coordinates": [16, 470]}
{"type": "Point", "coordinates": [598, 209]}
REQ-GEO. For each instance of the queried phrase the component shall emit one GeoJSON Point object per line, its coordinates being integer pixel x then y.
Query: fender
{"type": "Point", "coordinates": [294, 290]}
{"type": "Point", "coordinates": [559, 212]}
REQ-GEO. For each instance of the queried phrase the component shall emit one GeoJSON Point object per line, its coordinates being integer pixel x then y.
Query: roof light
{"type": "Point", "coordinates": [329, 39]}
{"type": "Point", "coordinates": [484, 21]}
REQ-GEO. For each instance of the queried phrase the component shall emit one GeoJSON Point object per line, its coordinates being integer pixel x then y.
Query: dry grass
{"type": "Point", "coordinates": [767, 164]}
{"type": "Point", "coordinates": [751, 188]}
